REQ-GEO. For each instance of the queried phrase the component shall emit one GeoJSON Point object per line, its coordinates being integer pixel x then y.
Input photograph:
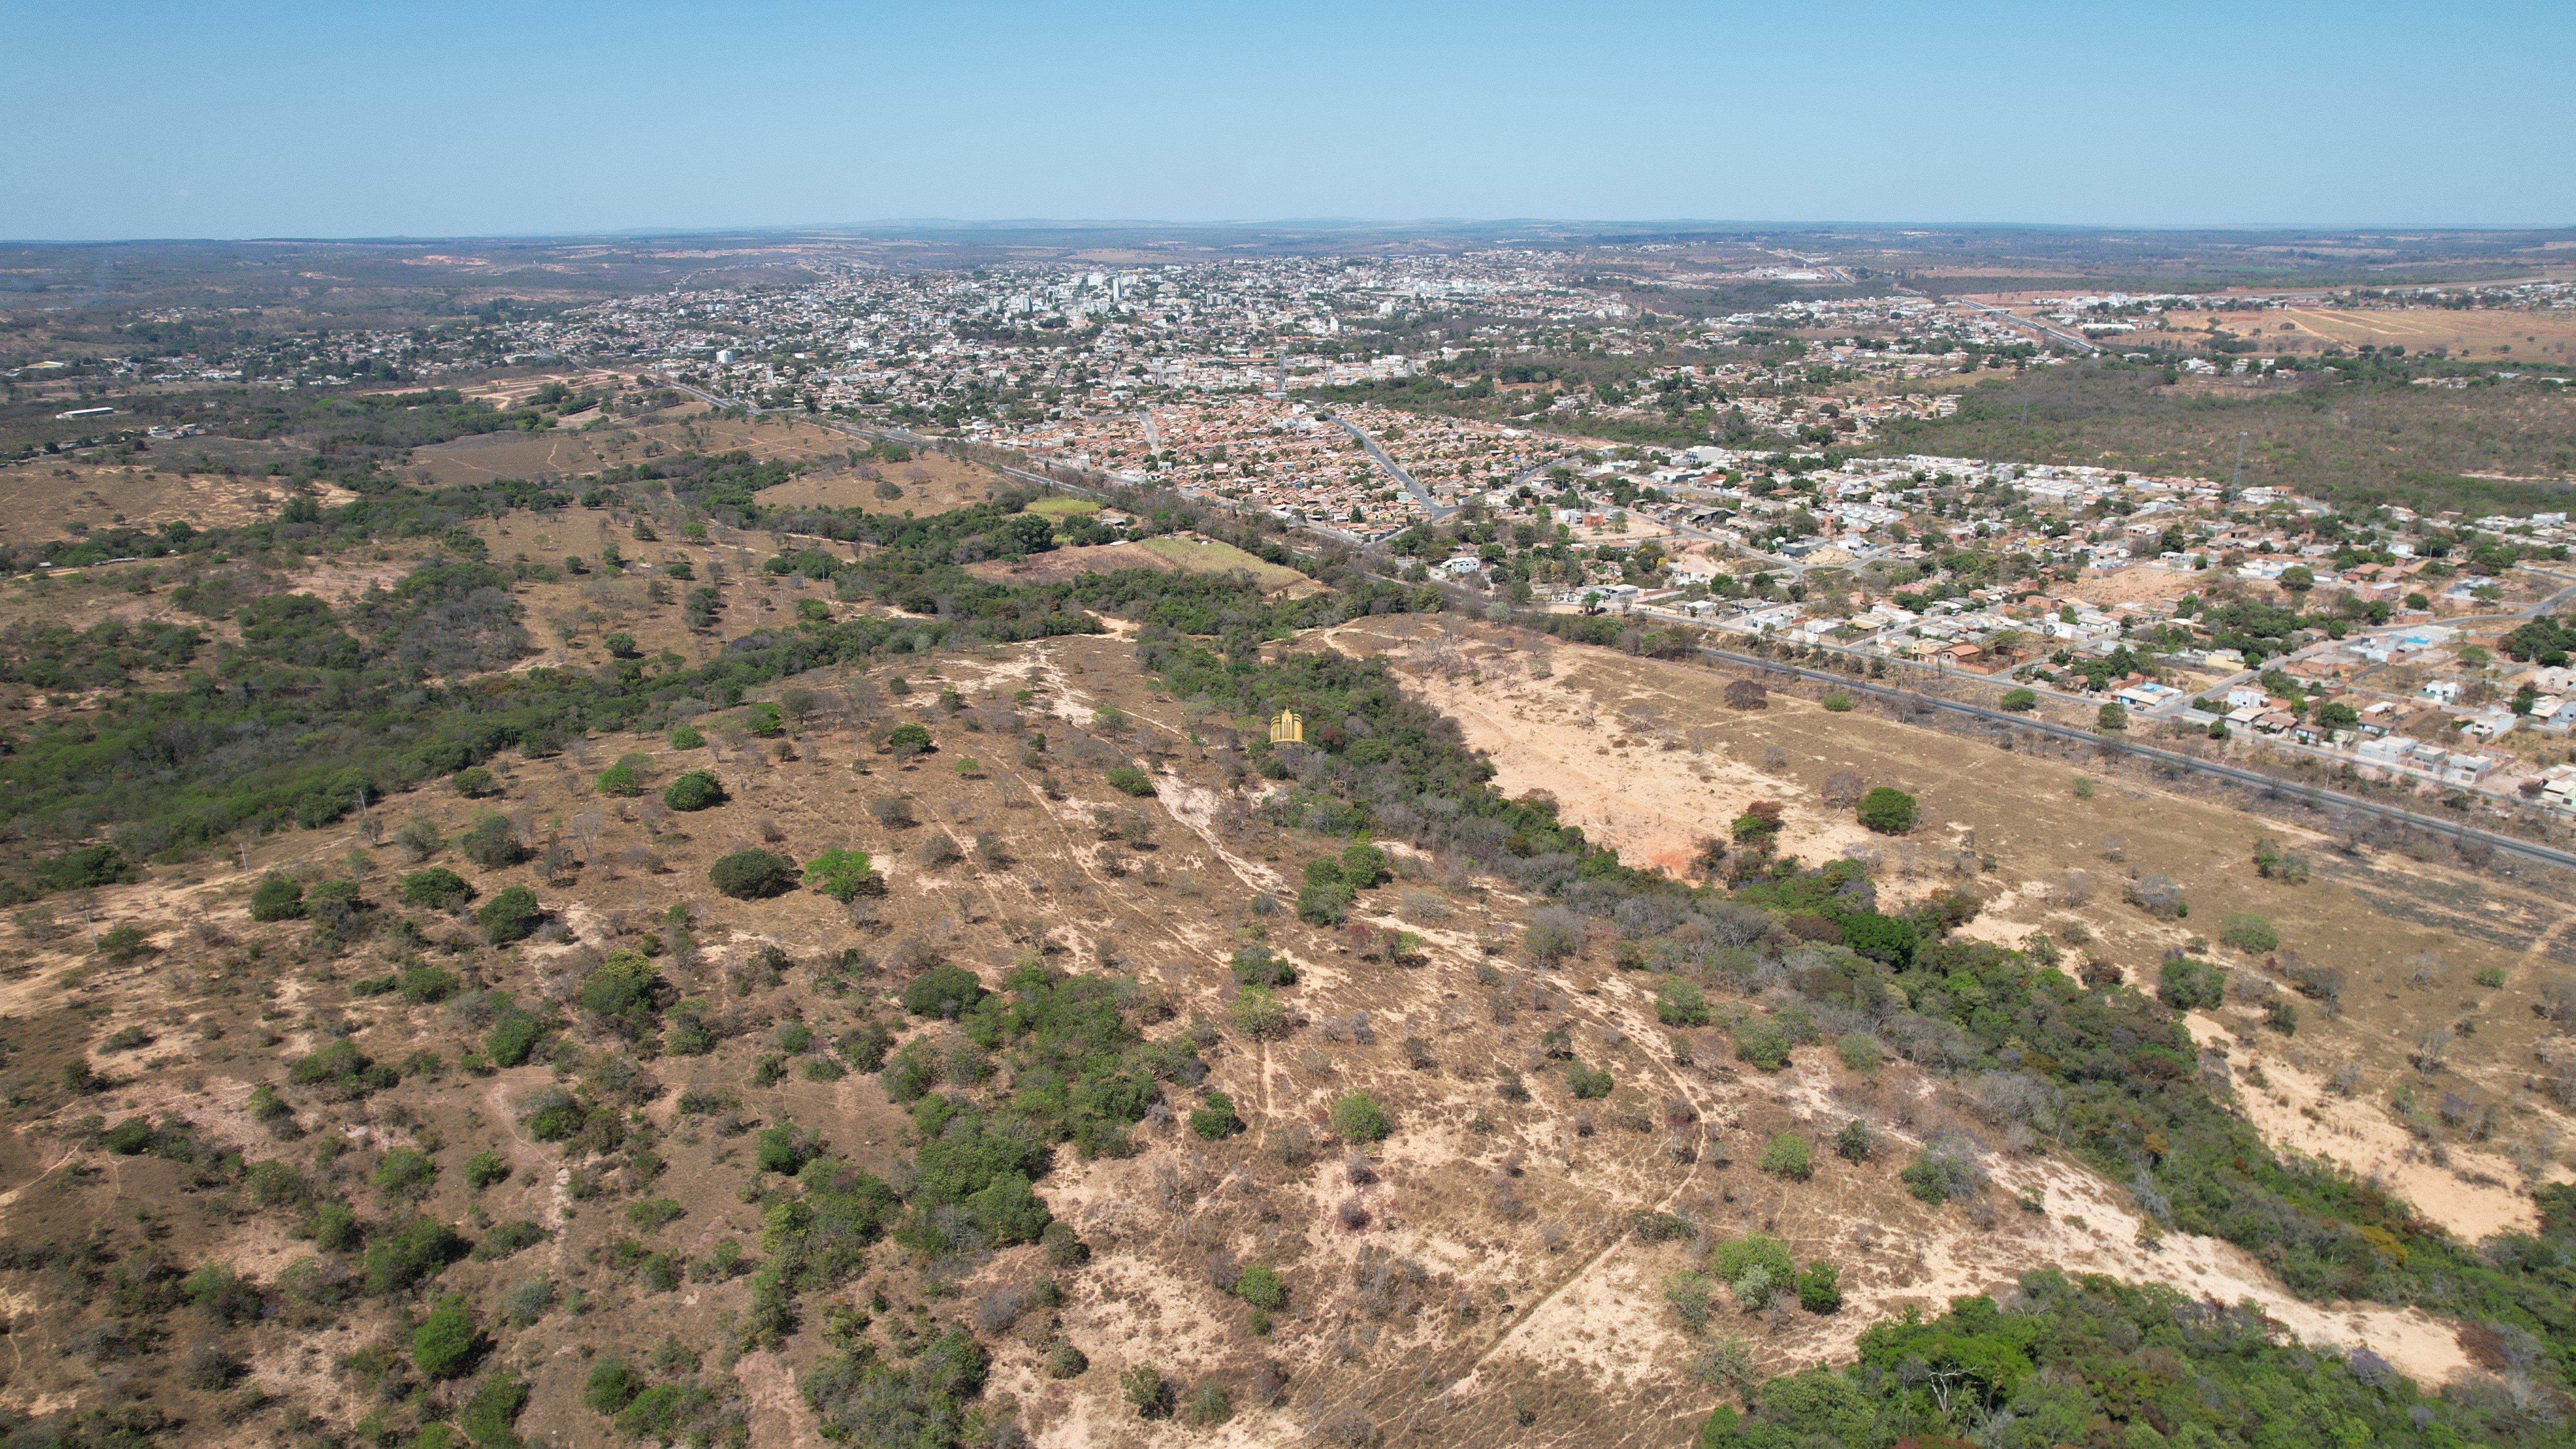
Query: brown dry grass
{"type": "Point", "coordinates": [1530, 1288]}
{"type": "Point", "coordinates": [1612, 738]}
{"type": "Point", "coordinates": [2541, 336]}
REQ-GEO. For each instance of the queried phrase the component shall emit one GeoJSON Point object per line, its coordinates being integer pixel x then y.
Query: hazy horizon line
{"type": "Point", "coordinates": [1322, 224]}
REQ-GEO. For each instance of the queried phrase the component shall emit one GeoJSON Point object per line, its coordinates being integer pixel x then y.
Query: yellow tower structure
{"type": "Point", "coordinates": [1288, 729]}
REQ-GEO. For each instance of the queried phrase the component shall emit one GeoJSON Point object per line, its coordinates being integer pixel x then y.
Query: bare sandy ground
{"type": "Point", "coordinates": [2472, 1196]}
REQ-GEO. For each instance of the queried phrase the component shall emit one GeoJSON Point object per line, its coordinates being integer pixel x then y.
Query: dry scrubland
{"type": "Point", "coordinates": [1477, 1275]}
{"type": "Point", "coordinates": [1646, 756]}
{"type": "Point", "coordinates": [1471, 1278]}
{"type": "Point", "coordinates": [927, 483]}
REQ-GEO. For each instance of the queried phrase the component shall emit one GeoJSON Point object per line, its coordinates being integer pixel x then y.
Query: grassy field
{"type": "Point", "coordinates": [1063, 507]}
{"type": "Point", "coordinates": [1203, 556]}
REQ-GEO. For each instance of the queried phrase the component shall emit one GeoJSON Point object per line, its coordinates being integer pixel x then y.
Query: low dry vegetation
{"type": "Point", "coordinates": [875, 1000]}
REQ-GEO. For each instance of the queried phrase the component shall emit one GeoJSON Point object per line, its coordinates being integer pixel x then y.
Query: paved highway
{"type": "Point", "coordinates": [1421, 495]}
{"type": "Point", "coordinates": [2042, 328]}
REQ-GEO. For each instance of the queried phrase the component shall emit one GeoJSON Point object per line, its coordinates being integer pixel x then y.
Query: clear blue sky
{"type": "Point", "coordinates": [354, 119]}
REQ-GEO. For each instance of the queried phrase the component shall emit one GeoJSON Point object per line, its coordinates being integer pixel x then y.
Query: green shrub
{"type": "Point", "coordinates": [405, 1172]}
{"type": "Point", "coordinates": [510, 915]}
{"type": "Point", "coordinates": [419, 1249]}
{"type": "Point", "coordinates": [653, 1214]}
{"type": "Point", "coordinates": [1261, 1287]}
{"type": "Point", "coordinates": [435, 889]}
{"type": "Point", "coordinates": [1363, 865]}
{"type": "Point", "coordinates": [333, 1227]}
{"type": "Point", "coordinates": [1064, 1361]}
{"type": "Point", "coordinates": [1128, 780]}
{"type": "Point", "coordinates": [1888, 811]}
{"type": "Point", "coordinates": [446, 1343]}
{"type": "Point", "coordinates": [1837, 702]}
{"type": "Point", "coordinates": [1587, 1083]}
{"type": "Point", "coordinates": [612, 1385]}
{"type": "Point", "coordinates": [1357, 1118]}
{"type": "Point", "coordinates": [488, 1417]}
{"type": "Point", "coordinates": [1855, 1142]}
{"type": "Point", "coordinates": [123, 942]}
{"type": "Point", "coordinates": [343, 1071]}
{"type": "Point", "coordinates": [475, 783]}
{"type": "Point", "coordinates": [751, 875]}
{"type": "Point", "coordinates": [87, 867]}
{"type": "Point", "coordinates": [1325, 899]}
{"type": "Point", "coordinates": [1946, 1168]}
{"type": "Point", "coordinates": [844, 875]}
{"type": "Point", "coordinates": [1214, 1118]}
{"type": "Point", "coordinates": [1787, 1156]}
{"type": "Point", "coordinates": [1145, 1388]}
{"type": "Point", "coordinates": [2249, 933]}
{"type": "Point", "coordinates": [864, 1047]}
{"type": "Point", "coordinates": [1859, 1050]}
{"type": "Point", "coordinates": [687, 737]}
{"type": "Point", "coordinates": [507, 1238]}
{"type": "Point", "coordinates": [553, 1114]}
{"type": "Point", "coordinates": [1761, 1043]}
{"type": "Point", "coordinates": [944, 990]}
{"type": "Point", "coordinates": [1688, 1293]}
{"type": "Point", "coordinates": [1064, 1248]}
{"type": "Point", "coordinates": [492, 842]}
{"type": "Point", "coordinates": [626, 777]}
{"type": "Point", "coordinates": [1258, 965]}
{"type": "Point", "coordinates": [694, 790]}
{"type": "Point", "coordinates": [1820, 1288]}
{"type": "Point", "coordinates": [485, 1168]}
{"type": "Point", "coordinates": [513, 1036]}
{"type": "Point", "coordinates": [1735, 1257]}
{"type": "Point", "coordinates": [622, 990]}
{"type": "Point", "coordinates": [1210, 1405]}
{"type": "Point", "coordinates": [1256, 1012]}
{"type": "Point", "coordinates": [2019, 701]}
{"type": "Point", "coordinates": [909, 739]}
{"type": "Point", "coordinates": [784, 1150]}
{"type": "Point", "coordinates": [226, 1296]}
{"type": "Point", "coordinates": [1680, 1003]}
{"type": "Point", "coordinates": [279, 898]}
{"type": "Point", "coordinates": [2275, 861]}
{"type": "Point", "coordinates": [910, 1073]}
{"type": "Point", "coordinates": [2188, 985]}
